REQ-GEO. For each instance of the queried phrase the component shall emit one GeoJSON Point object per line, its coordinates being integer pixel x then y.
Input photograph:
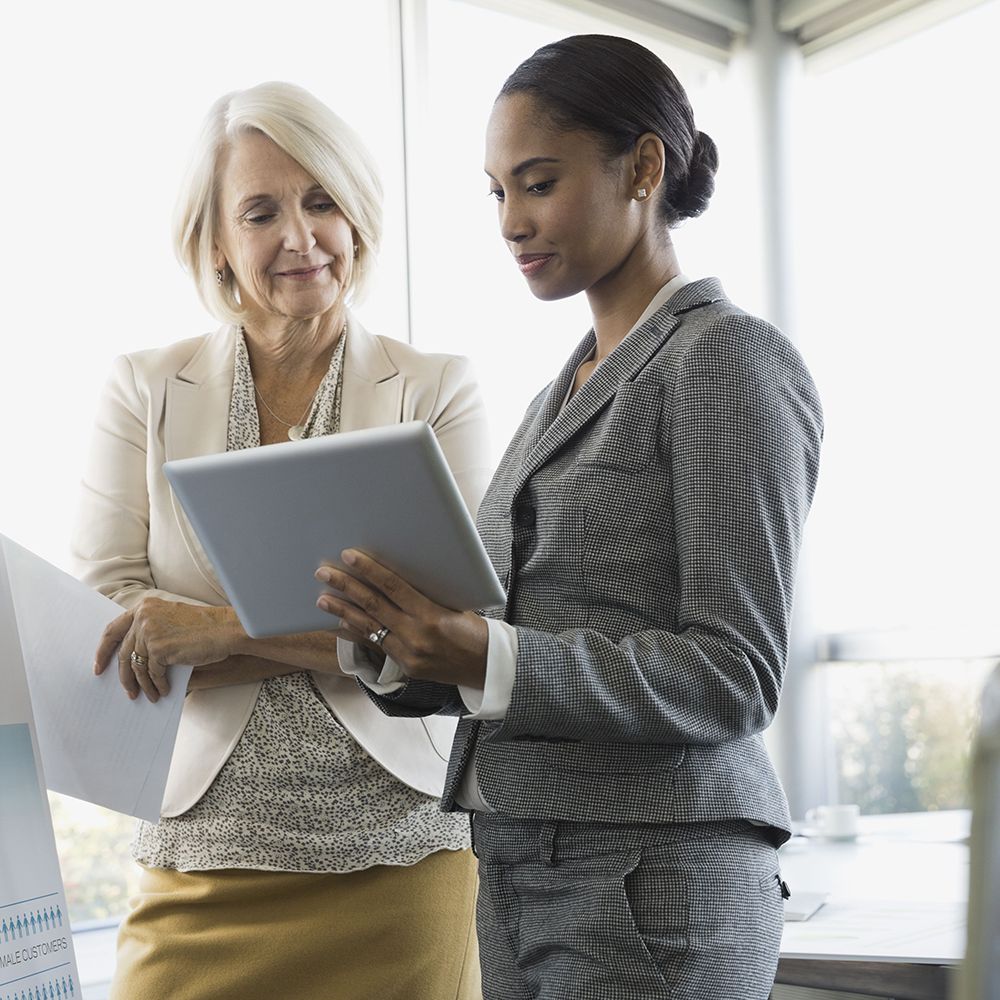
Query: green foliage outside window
{"type": "Point", "coordinates": [902, 732]}
{"type": "Point", "coordinates": [94, 856]}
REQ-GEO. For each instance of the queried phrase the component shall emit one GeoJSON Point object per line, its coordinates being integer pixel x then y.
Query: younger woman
{"type": "Point", "coordinates": [646, 519]}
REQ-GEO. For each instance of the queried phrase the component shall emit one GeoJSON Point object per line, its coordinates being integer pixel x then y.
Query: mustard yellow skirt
{"type": "Point", "coordinates": [379, 934]}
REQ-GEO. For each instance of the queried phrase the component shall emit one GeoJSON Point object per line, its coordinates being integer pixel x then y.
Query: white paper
{"type": "Point", "coordinates": [885, 931]}
{"type": "Point", "coordinates": [96, 744]}
{"type": "Point", "coordinates": [36, 946]}
{"type": "Point", "coordinates": [802, 905]}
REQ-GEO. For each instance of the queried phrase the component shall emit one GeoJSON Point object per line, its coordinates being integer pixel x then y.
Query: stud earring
{"type": "Point", "coordinates": [218, 276]}
{"type": "Point", "coordinates": [357, 250]}
{"type": "Point", "coordinates": [640, 194]}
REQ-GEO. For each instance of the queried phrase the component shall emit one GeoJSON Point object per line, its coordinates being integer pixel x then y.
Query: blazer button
{"type": "Point", "coordinates": [525, 516]}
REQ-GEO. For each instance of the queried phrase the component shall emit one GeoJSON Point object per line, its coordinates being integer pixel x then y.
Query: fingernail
{"type": "Point", "coordinates": [323, 604]}
{"type": "Point", "coordinates": [324, 574]}
{"type": "Point", "coordinates": [349, 557]}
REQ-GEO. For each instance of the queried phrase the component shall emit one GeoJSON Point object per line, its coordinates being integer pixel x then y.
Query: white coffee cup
{"type": "Point", "coordinates": [837, 822]}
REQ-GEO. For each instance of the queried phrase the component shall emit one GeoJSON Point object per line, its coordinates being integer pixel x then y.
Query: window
{"type": "Point", "coordinates": [897, 213]}
{"type": "Point", "coordinates": [900, 732]}
{"type": "Point", "coordinates": [93, 845]}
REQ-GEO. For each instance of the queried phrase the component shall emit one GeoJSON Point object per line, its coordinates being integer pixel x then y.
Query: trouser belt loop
{"type": "Point", "coordinates": [547, 842]}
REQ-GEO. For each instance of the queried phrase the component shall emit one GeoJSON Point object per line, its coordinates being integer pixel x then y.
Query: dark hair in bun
{"type": "Point", "coordinates": [692, 199]}
{"type": "Point", "coordinates": [618, 90]}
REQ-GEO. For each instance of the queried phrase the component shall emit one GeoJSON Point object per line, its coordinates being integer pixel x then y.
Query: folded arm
{"type": "Point", "coordinates": [110, 552]}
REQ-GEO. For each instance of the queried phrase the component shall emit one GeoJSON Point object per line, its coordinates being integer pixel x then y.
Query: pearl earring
{"type": "Point", "coordinates": [640, 194]}
{"type": "Point", "coordinates": [218, 276]}
{"type": "Point", "coordinates": [356, 251]}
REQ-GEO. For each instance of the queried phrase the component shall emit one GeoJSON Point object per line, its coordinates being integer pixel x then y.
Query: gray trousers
{"type": "Point", "coordinates": [573, 911]}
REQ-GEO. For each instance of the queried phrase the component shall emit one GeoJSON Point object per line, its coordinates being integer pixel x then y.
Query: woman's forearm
{"type": "Point", "coordinates": [237, 670]}
{"type": "Point", "coordinates": [306, 651]}
{"type": "Point", "coordinates": [210, 639]}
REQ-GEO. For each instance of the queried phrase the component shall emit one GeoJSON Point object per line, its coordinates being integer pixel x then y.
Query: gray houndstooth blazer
{"type": "Point", "coordinates": [647, 534]}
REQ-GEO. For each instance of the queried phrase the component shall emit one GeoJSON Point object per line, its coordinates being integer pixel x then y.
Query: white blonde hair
{"type": "Point", "coordinates": [324, 145]}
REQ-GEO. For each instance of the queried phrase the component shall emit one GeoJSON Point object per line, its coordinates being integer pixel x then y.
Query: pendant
{"type": "Point", "coordinates": [296, 433]}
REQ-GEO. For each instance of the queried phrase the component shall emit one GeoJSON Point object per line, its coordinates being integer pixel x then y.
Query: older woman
{"type": "Point", "coordinates": [300, 827]}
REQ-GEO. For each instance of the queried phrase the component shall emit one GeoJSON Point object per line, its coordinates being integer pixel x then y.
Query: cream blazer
{"type": "Point", "coordinates": [132, 539]}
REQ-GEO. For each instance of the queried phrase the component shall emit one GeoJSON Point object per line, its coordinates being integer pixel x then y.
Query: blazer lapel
{"type": "Point", "coordinates": [556, 394]}
{"type": "Point", "coordinates": [372, 394]}
{"type": "Point", "coordinates": [556, 424]}
{"type": "Point", "coordinates": [619, 367]}
{"type": "Point", "coordinates": [196, 422]}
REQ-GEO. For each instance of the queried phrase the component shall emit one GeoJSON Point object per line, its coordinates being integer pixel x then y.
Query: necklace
{"type": "Point", "coordinates": [297, 430]}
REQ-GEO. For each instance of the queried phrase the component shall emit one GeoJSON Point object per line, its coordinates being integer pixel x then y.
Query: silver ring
{"type": "Point", "coordinates": [140, 661]}
{"type": "Point", "coordinates": [378, 637]}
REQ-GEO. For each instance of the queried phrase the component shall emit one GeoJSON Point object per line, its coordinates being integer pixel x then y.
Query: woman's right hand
{"type": "Point", "coordinates": [158, 634]}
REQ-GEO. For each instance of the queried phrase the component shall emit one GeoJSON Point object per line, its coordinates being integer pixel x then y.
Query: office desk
{"type": "Point", "coordinates": [894, 923]}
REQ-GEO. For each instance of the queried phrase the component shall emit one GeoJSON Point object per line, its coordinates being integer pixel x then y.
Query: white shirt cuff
{"type": "Point", "coordinates": [355, 660]}
{"type": "Point", "coordinates": [493, 700]}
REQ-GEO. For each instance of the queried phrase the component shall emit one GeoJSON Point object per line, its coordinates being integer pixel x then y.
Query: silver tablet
{"type": "Point", "coordinates": [267, 517]}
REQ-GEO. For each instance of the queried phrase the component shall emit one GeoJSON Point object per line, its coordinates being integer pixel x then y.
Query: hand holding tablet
{"type": "Point", "coordinates": [379, 609]}
{"type": "Point", "coordinates": [268, 517]}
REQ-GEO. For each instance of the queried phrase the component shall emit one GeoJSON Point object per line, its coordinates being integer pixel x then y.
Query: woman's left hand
{"type": "Point", "coordinates": [162, 634]}
{"type": "Point", "coordinates": [428, 641]}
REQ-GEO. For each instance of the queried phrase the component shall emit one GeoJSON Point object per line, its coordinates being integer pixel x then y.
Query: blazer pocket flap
{"type": "Point", "coordinates": [627, 433]}
{"type": "Point", "coordinates": [613, 758]}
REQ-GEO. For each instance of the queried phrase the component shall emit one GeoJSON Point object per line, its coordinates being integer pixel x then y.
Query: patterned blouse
{"type": "Point", "coordinates": [298, 794]}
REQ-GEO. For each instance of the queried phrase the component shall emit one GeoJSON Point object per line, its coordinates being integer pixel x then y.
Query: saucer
{"type": "Point", "coordinates": [812, 833]}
